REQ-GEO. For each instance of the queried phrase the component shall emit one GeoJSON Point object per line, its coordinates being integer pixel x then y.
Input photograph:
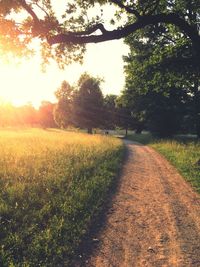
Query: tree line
{"type": "Point", "coordinates": [145, 103]}
{"type": "Point", "coordinates": [82, 106]}
{"type": "Point", "coordinates": [27, 115]}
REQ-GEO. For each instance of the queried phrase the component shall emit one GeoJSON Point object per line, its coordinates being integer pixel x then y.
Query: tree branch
{"type": "Point", "coordinates": [87, 36]}
{"type": "Point", "coordinates": [91, 30]}
{"type": "Point", "coordinates": [168, 38]}
{"type": "Point", "coordinates": [30, 11]}
{"type": "Point", "coordinates": [127, 8]}
{"type": "Point", "coordinates": [43, 9]}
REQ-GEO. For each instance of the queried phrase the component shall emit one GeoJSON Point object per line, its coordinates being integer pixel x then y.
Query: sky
{"type": "Point", "coordinates": [24, 83]}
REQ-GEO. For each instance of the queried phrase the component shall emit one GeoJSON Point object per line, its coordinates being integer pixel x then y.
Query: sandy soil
{"type": "Point", "coordinates": [154, 219]}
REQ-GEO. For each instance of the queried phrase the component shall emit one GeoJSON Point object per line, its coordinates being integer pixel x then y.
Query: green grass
{"type": "Point", "coordinates": [182, 151]}
{"type": "Point", "coordinates": [184, 157]}
{"type": "Point", "coordinates": [52, 185]}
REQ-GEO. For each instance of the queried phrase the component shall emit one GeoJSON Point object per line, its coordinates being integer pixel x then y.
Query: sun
{"type": "Point", "coordinates": [26, 83]}
{"type": "Point", "coordinates": [14, 82]}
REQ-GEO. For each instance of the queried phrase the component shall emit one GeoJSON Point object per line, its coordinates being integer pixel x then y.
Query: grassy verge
{"type": "Point", "coordinates": [181, 152]}
{"type": "Point", "coordinates": [52, 184]}
{"type": "Point", "coordinates": [184, 157]}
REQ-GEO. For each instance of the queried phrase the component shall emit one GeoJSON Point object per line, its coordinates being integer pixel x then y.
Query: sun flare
{"type": "Point", "coordinates": [26, 83]}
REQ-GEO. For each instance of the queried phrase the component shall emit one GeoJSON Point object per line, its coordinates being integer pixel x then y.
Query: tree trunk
{"type": "Point", "coordinates": [89, 130]}
{"type": "Point", "coordinates": [197, 107]}
{"type": "Point", "coordinates": [126, 134]}
{"type": "Point", "coordinates": [139, 129]}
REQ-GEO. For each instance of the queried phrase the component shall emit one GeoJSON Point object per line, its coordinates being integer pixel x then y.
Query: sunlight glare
{"type": "Point", "coordinates": [26, 83]}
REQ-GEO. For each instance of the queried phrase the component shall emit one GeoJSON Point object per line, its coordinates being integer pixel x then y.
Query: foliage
{"type": "Point", "coordinates": [124, 118]}
{"type": "Point", "coordinates": [52, 184]}
{"type": "Point", "coordinates": [63, 35]}
{"type": "Point", "coordinates": [63, 110]}
{"type": "Point", "coordinates": [15, 116]}
{"type": "Point", "coordinates": [26, 115]}
{"type": "Point", "coordinates": [110, 111]}
{"type": "Point", "coordinates": [160, 93]}
{"type": "Point", "coordinates": [88, 103]}
{"type": "Point", "coordinates": [46, 118]}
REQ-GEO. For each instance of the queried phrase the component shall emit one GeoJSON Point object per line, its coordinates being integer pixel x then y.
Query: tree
{"type": "Point", "coordinates": [27, 115]}
{"type": "Point", "coordinates": [46, 114]}
{"type": "Point", "coordinates": [18, 116]}
{"type": "Point", "coordinates": [63, 109]}
{"type": "Point", "coordinates": [156, 86]}
{"type": "Point", "coordinates": [124, 117]}
{"type": "Point", "coordinates": [64, 38]}
{"type": "Point", "coordinates": [161, 114]}
{"type": "Point", "coordinates": [88, 103]}
{"type": "Point", "coordinates": [110, 111]}
{"type": "Point", "coordinates": [7, 115]}
{"type": "Point", "coordinates": [164, 113]}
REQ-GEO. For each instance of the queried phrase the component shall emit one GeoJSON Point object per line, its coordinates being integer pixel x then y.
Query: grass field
{"type": "Point", "coordinates": [52, 185]}
{"type": "Point", "coordinates": [181, 151]}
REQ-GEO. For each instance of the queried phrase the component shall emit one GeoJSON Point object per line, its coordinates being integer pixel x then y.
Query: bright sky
{"type": "Point", "coordinates": [26, 83]}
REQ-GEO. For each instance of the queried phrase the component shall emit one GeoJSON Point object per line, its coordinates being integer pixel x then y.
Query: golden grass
{"type": "Point", "coordinates": [52, 183]}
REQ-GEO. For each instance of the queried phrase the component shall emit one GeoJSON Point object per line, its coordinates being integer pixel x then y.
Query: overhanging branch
{"type": "Point", "coordinates": [91, 30]}
{"type": "Point", "coordinates": [88, 36]}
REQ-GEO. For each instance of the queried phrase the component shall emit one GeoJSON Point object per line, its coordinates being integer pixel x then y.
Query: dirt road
{"type": "Point", "coordinates": [154, 219]}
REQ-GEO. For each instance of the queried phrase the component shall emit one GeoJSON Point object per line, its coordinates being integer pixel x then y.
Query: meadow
{"type": "Point", "coordinates": [182, 151]}
{"type": "Point", "coordinates": [53, 184]}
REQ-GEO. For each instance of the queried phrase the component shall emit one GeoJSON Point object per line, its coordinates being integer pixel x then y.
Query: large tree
{"type": "Point", "coordinates": [125, 119]}
{"type": "Point", "coordinates": [63, 37]}
{"type": "Point", "coordinates": [63, 109]}
{"type": "Point", "coordinates": [45, 114]}
{"type": "Point", "coordinates": [110, 111]}
{"type": "Point", "coordinates": [88, 103]}
{"type": "Point", "coordinates": [159, 85]}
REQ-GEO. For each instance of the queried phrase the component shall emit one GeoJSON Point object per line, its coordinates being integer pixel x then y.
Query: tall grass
{"type": "Point", "coordinates": [52, 184]}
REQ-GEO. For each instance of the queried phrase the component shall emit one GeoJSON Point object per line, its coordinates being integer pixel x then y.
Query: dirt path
{"type": "Point", "coordinates": [154, 219]}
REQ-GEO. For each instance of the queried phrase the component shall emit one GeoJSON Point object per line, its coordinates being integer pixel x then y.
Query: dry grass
{"type": "Point", "coordinates": [52, 184]}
